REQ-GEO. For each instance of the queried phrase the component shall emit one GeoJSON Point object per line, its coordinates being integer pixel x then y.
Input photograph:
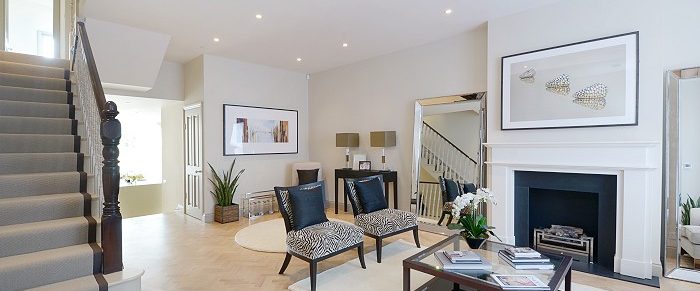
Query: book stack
{"type": "Point", "coordinates": [462, 260]}
{"type": "Point", "coordinates": [525, 259]}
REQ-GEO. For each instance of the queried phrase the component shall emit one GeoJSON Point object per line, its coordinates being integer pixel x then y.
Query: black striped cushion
{"type": "Point", "coordinates": [322, 239]}
{"type": "Point", "coordinates": [386, 221]}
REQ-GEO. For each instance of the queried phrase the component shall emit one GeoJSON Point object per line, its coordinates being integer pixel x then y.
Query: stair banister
{"type": "Point", "coordinates": [103, 132]}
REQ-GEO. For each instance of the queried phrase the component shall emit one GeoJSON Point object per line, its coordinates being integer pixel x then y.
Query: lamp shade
{"type": "Point", "coordinates": [382, 139]}
{"type": "Point", "coordinates": [347, 140]}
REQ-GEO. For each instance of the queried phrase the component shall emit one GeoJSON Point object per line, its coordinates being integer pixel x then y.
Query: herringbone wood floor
{"type": "Point", "coordinates": [182, 253]}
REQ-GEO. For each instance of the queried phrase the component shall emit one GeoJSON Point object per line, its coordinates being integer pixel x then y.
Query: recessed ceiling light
{"type": "Point", "coordinates": [216, 39]}
{"type": "Point", "coordinates": [345, 44]}
{"type": "Point", "coordinates": [298, 59]}
{"type": "Point", "coordinates": [448, 11]}
{"type": "Point", "coordinates": [258, 16]}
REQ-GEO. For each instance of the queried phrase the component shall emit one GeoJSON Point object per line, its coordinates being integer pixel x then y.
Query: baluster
{"type": "Point", "coordinates": [110, 131]}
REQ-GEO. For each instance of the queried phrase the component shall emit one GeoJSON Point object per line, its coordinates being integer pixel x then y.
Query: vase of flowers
{"type": "Point", "coordinates": [472, 224]}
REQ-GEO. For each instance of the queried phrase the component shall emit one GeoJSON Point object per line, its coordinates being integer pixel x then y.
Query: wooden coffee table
{"type": "Point", "coordinates": [426, 262]}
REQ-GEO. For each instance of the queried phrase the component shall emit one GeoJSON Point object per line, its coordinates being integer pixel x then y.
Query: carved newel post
{"type": "Point", "coordinates": [111, 132]}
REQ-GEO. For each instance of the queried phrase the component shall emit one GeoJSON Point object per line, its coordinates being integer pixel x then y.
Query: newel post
{"type": "Point", "coordinates": [111, 132]}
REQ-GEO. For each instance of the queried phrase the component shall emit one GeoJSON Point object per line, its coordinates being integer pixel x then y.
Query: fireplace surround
{"type": "Point", "coordinates": [636, 167]}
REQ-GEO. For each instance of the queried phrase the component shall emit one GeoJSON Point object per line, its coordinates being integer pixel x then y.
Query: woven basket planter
{"type": "Point", "coordinates": [226, 214]}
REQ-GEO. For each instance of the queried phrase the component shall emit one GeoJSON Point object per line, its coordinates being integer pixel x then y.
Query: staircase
{"type": "Point", "coordinates": [51, 237]}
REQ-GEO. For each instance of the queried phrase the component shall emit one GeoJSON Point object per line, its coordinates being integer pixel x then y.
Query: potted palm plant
{"type": "Point", "coordinates": [224, 188]}
{"type": "Point", "coordinates": [473, 225]}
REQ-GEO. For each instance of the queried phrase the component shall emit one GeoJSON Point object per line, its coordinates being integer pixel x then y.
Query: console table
{"type": "Point", "coordinates": [387, 176]}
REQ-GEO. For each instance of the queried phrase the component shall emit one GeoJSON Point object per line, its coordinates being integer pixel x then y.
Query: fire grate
{"type": "Point", "coordinates": [565, 240]}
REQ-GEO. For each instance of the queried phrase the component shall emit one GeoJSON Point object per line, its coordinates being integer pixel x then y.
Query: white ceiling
{"type": "Point", "coordinates": [313, 30]}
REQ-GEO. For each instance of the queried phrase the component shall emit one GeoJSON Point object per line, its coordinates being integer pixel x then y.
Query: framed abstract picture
{"type": "Point", "coordinates": [250, 130]}
{"type": "Point", "coordinates": [583, 84]}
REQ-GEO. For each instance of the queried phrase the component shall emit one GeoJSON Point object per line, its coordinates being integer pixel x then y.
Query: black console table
{"type": "Point", "coordinates": [388, 176]}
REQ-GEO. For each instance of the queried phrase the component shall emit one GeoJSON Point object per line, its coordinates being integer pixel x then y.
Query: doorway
{"type": "Point", "coordinates": [30, 26]}
{"type": "Point", "coordinates": [193, 161]}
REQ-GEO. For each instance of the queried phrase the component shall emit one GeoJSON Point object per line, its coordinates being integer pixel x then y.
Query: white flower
{"type": "Point", "coordinates": [472, 200]}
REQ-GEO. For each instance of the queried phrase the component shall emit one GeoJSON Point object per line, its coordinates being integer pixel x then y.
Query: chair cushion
{"type": "Point", "coordinates": [469, 188]}
{"type": "Point", "coordinates": [371, 194]}
{"type": "Point", "coordinates": [452, 189]}
{"type": "Point", "coordinates": [695, 216]}
{"type": "Point", "coordinates": [386, 221]}
{"type": "Point", "coordinates": [692, 232]}
{"type": "Point", "coordinates": [307, 206]}
{"type": "Point", "coordinates": [307, 176]}
{"type": "Point", "coordinates": [322, 239]}
{"type": "Point", "coordinates": [447, 206]}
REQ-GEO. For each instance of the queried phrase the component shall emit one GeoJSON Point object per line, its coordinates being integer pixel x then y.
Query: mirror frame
{"type": "Point", "coordinates": [418, 125]}
{"type": "Point", "coordinates": [670, 220]}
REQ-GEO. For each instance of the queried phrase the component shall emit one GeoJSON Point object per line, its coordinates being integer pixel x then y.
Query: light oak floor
{"type": "Point", "coordinates": [182, 253]}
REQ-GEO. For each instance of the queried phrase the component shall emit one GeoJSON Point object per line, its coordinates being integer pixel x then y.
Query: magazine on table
{"type": "Point", "coordinates": [462, 257]}
{"type": "Point", "coordinates": [523, 252]}
{"type": "Point", "coordinates": [527, 266]}
{"type": "Point", "coordinates": [449, 265]}
{"type": "Point", "coordinates": [519, 282]}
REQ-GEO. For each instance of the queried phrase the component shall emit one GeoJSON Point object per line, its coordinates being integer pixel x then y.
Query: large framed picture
{"type": "Point", "coordinates": [583, 84]}
{"type": "Point", "coordinates": [250, 130]}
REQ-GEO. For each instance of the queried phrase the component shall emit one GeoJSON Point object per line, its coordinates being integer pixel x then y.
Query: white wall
{"type": "Point", "coordinates": [667, 40]}
{"type": "Point", "coordinates": [127, 57]}
{"type": "Point", "coordinates": [169, 84]}
{"type": "Point", "coordinates": [380, 93]}
{"type": "Point", "coordinates": [228, 81]}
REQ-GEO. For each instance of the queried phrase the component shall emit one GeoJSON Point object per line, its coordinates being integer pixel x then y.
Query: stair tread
{"type": "Point", "coordinates": [44, 197]}
{"type": "Point", "coordinates": [34, 60]}
{"type": "Point", "coordinates": [46, 267]}
{"type": "Point", "coordinates": [24, 81]}
{"type": "Point", "coordinates": [5, 229]}
{"type": "Point", "coordinates": [34, 257]}
{"type": "Point", "coordinates": [26, 209]}
{"type": "Point", "coordinates": [11, 93]}
{"type": "Point", "coordinates": [34, 109]}
{"type": "Point", "coordinates": [32, 70]}
{"type": "Point", "coordinates": [85, 283]}
{"type": "Point", "coordinates": [29, 237]}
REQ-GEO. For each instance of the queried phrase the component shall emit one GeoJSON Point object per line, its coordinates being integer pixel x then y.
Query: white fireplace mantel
{"type": "Point", "coordinates": [637, 166]}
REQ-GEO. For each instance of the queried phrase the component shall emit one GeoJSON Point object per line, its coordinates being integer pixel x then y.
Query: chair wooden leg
{"type": "Point", "coordinates": [449, 220]}
{"type": "Point", "coordinates": [312, 274]}
{"type": "Point", "coordinates": [287, 258]}
{"type": "Point", "coordinates": [379, 250]}
{"type": "Point", "coordinates": [415, 236]}
{"type": "Point", "coordinates": [361, 255]}
{"type": "Point", "coordinates": [442, 218]}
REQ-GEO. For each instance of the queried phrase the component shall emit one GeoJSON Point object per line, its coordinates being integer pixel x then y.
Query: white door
{"type": "Point", "coordinates": [193, 161]}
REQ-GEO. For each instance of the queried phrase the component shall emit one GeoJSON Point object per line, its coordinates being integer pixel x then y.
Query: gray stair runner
{"type": "Point", "coordinates": [47, 229]}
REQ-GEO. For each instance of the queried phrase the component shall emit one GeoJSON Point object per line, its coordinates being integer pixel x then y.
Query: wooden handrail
{"type": "Point", "coordinates": [110, 134]}
{"type": "Point", "coordinates": [92, 68]}
{"type": "Point", "coordinates": [449, 142]}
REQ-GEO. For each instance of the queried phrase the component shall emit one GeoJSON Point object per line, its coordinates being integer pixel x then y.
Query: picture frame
{"type": "Point", "coordinates": [365, 165]}
{"type": "Point", "coordinates": [254, 130]}
{"type": "Point", "coordinates": [590, 83]}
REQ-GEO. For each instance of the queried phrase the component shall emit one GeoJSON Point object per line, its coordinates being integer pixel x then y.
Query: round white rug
{"type": "Point", "coordinates": [268, 236]}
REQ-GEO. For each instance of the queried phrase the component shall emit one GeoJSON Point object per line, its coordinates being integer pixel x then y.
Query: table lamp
{"type": "Point", "coordinates": [347, 140]}
{"type": "Point", "coordinates": [382, 139]}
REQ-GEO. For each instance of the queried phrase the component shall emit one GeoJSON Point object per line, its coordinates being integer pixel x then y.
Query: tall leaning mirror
{"type": "Point", "coordinates": [448, 137]}
{"type": "Point", "coordinates": [682, 175]}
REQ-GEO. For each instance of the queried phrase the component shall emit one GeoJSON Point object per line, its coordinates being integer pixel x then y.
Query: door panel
{"type": "Point", "coordinates": [193, 161]}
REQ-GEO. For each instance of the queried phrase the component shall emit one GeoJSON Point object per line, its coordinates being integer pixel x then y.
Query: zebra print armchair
{"type": "Point", "coordinates": [382, 223]}
{"type": "Point", "coordinates": [316, 242]}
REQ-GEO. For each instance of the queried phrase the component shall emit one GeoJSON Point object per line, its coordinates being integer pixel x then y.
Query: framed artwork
{"type": "Point", "coordinates": [583, 84]}
{"type": "Point", "coordinates": [250, 130]}
{"type": "Point", "coordinates": [365, 165]}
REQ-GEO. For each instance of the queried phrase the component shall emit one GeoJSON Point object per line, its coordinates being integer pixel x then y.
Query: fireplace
{"type": "Point", "coordinates": [582, 201]}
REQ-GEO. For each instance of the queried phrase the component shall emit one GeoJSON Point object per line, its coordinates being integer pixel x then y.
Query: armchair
{"type": "Point", "coordinates": [319, 241]}
{"type": "Point", "coordinates": [382, 223]}
{"type": "Point", "coordinates": [450, 190]}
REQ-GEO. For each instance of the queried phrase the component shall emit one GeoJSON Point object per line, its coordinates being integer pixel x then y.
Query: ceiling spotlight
{"type": "Point", "coordinates": [298, 59]}
{"type": "Point", "coordinates": [258, 16]}
{"type": "Point", "coordinates": [216, 39]}
{"type": "Point", "coordinates": [448, 11]}
{"type": "Point", "coordinates": [345, 44]}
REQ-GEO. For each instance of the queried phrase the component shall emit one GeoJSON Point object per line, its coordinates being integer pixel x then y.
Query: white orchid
{"type": "Point", "coordinates": [471, 222]}
{"type": "Point", "coordinates": [472, 200]}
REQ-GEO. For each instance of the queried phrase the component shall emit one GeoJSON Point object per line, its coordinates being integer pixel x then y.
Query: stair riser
{"type": "Point", "coordinates": [37, 125]}
{"type": "Point", "coordinates": [32, 70]}
{"type": "Point", "coordinates": [34, 60]}
{"type": "Point", "coordinates": [52, 269]}
{"type": "Point", "coordinates": [32, 109]}
{"type": "Point", "coordinates": [42, 208]}
{"type": "Point", "coordinates": [39, 143]}
{"type": "Point", "coordinates": [34, 82]}
{"type": "Point", "coordinates": [34, 95]}
{"type": "Point", "coordinates": [34, 185]}
{"type": "Point", "coordinates": [40, 163]}
{"type": "Point", "coordinates": [48, 236]}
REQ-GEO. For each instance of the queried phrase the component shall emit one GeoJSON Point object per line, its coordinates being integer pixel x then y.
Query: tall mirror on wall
{"type": "Point", "coordinates": [448, 137]}
{"type": "Point", "coordinates": [682, 175]}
